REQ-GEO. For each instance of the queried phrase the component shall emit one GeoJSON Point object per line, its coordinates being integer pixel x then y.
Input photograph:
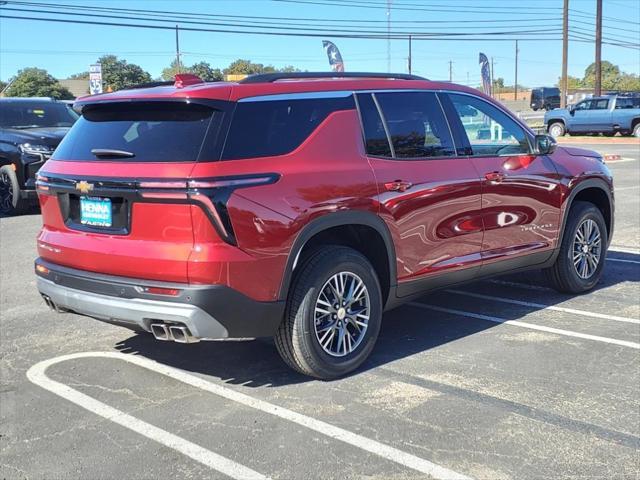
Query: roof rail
{"type": "Point", "coordinates": [148, 85]}
{"type": "Point", "coordinates": [272, 77]}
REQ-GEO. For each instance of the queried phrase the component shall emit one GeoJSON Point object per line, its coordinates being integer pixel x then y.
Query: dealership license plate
{"type": "Point", "coordinates": [96, 211]}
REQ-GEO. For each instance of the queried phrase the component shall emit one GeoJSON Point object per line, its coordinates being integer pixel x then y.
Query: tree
{"type": "Point", "coordinates": [80, 76]}
{"type": "Point", "coordinates": [3, 85]}
{"type": "Point", "coordinates": [205, 72]}
{"type": "Point", "coordinates": [201, 69]}
{"type": "Point", "coordinates": [117, 74]}
{"type": "Point", "coordinates": [36, 82]}
{"type": "Point", "coordinates": [610, 76]}
{"type": "Point", "coordinates": [247, 67]}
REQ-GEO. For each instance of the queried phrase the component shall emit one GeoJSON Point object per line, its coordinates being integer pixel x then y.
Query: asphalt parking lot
{"type": "Point", "coordinates": [500, 379]}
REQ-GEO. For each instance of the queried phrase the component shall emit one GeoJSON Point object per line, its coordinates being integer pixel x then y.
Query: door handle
{"type": "Point", "coordinates": [494, 176]}
{"type": "Point", "coordinates": [398, 186]}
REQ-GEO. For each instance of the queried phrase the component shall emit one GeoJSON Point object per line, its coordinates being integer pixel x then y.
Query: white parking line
{"type": "Point", "coordinates": [621, 260]}
{"type": "Point", "coordinates": [532, 326]}
{"type": "Point", "coordinates": [528, 286]}
{"type": "Point", "coordinates": [37, 375]}
{"type": "Point", "coordinates": [633, 251]}
{"type": "Point", "coordinates": [547, 307]}
{"type": "Point", "coordinates": [632, 187]}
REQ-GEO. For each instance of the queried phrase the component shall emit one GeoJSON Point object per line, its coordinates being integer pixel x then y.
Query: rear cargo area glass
{"type": "Point", "coordinates": [150, 131]}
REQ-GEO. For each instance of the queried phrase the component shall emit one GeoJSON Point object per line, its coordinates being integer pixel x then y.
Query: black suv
{"type": "Point", "coordinates": [546, 98]}
{"type": "Point", "coordinates": [30, 130]}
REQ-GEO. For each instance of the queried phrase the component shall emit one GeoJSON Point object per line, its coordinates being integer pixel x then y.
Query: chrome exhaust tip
{"type": "Point", "coordinates": [161, 332]}
{"type": "Point", "coordinates": [182, 334]}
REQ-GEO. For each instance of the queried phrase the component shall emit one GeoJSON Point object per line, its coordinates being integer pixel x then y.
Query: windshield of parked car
{"type": "Point", "coordinates": [21, 114]}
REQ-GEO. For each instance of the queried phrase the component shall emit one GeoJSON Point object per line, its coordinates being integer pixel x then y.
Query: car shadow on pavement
{"type": "Point", "coordinates": [405, 331]}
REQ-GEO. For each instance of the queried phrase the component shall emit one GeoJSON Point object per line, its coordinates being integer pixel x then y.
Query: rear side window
{"type": "Point", "coordinates": [269, 128]}
{"type": "Point", "coordinates": [632, 102]}
{"type": "Point", "coordinates": [375, 136]}
{"type": "Point", "coordinates": [416, 125]}
{"type": "Point", "coordinates": [151, 132]}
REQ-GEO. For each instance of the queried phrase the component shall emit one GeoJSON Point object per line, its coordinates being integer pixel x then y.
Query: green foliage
{"type": "Point", "coordinates": [80, 76]}
{"type": "Point", "coordinates": [247, 67]}
{"type": "Point", "coordinates": [117, 74]}
{"type": "Point", "coordinates": [36, 82]}
{"type": "Point", "coordinates": [2, 85]}
{"type": "Point", "coordinates": [201, 69]}
{"type": "Point", "coordinates": [612, 78]}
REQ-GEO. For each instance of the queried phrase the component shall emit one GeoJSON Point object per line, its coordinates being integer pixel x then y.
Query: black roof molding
{"type": "Point", "coordinates": [273, 77]}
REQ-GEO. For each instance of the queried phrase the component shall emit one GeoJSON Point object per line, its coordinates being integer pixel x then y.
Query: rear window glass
{"type": "Point", "coordinates": [276, 127]}
{"type": "Point", "coordinates": [151, 132]}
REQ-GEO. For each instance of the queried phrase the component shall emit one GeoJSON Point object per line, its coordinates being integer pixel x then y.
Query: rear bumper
{"type": "Point", "coordinates": [209, 312]}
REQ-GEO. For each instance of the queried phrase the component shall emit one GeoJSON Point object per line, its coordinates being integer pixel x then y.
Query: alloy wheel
{"type": "Point", "coordinates": [341, 314]}
{"type": "Point", "coordinates": [587, 249]}
{"type": "Point", "coordinates": [6, 192]}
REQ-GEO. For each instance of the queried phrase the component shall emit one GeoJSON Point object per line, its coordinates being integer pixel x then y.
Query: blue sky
{"type": "Point", "coordinates": [64, 49]}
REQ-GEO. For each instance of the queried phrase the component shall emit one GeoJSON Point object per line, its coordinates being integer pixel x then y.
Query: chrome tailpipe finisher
{"type": "Point", "coordinates": [182, 334]}
{"type": "Point", "coordinates": [161, 332]}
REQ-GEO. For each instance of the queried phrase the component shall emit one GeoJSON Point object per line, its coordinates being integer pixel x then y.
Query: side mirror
{"type": "Point", "coordinates": [572, 109]}
{"type": "Point", "coordinates": [545, 144]}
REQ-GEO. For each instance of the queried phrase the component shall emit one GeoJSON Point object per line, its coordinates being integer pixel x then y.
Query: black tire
{"type": "Point", "coordinates": [10, 201]}
{"type": "Point", "coordinates": [297, 339]}
{"type": "Point", "coordinates": [563, 275]}
{"type": "Point", "coordinates": [556, 129]}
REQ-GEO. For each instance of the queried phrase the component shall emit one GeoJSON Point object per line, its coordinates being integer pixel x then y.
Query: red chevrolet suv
{"type": "Point", "coordinates": [301, 206]}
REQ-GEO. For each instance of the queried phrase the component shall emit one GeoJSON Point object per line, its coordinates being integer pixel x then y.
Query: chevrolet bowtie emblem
{"type": "Point", "coordinates": [84, 187]}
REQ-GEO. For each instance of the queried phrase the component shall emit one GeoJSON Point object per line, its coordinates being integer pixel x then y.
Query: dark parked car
{"type": "Point", "coordinates": [545, 98]}
{"type": "Point", "coordinates": [30, 130]}
{"type": "Point", "coordinates": [303, 205]}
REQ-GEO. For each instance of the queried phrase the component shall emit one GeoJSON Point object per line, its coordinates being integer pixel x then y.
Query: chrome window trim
{"type": "Point", "coordinates": [298, 96]}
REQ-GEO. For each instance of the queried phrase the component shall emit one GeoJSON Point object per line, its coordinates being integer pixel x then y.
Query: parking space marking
{"type": "Point", "coordinates": [632, 251]}
{"type": "Point", "coordinates": [37, 375]}
{"type": "Point", "coordinates": [632, 187]}
{"type": "Point", "coordinates": [622, 260]}
{"type": "Point", "coordinates": [532, 326]}
{"type": "Point", "coordinates": [546, 307]}
{"type": "Point", "coordinates": [528, 286]}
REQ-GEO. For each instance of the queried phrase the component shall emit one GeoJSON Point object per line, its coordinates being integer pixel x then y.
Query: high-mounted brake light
{"type": "Point", "coordinates": [184, 79]}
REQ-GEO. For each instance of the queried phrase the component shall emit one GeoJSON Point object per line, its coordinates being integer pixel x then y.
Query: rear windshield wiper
{"type": "Point", "coordinates": [107, 152]}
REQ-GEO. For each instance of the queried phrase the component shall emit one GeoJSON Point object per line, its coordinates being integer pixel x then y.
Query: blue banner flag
{"type": "Point", "coordinates": [335, 59]}
{"type": "Point", "coordinates": [485, 73]}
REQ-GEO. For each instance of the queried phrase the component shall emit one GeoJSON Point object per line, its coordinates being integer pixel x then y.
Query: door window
{"type": "Point", "coordinates": [412, 126]}
{"type": "Point", "coordinates": [601, 104]}
{"type": "Point", "coordinates": [584, 105]}
{"type": "Point", "coordinates": [416, 125]}
{"type": "Point", "coordinates": [489, 130]}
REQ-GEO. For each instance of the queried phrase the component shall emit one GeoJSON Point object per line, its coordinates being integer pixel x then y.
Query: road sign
{"type": "Point", "coordinates": [95, 79]}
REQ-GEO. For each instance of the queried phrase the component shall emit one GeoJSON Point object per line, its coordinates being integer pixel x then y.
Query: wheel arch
{"type": "Point", "coordinates": [346, 228]}
{"type": "Point", "coordinates": [597, 192]}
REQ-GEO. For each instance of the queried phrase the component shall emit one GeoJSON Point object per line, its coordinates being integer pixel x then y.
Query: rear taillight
{"type": "Point", "coordinates": [211, 194]}
{"type": "Point", "coordinates": [41, 184]}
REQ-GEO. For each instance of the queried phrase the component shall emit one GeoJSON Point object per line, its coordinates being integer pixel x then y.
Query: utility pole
{"type": "Point", "coordinates": [565, 52]}
{"type": "Point", "coordinates": [491, 75]}
{"type": "Point", "coordinates": [178, 51]}
{"type": "Point", "coordinates": [468, 84]}
{"type": "Point", "coordinates": [515, 90]}
{"type": "Point", "coordinates": [598, 48]}
{"type": "Point", "coordinates": [450, 71]}
{"type": "Point", "coordinates": [388, 36]}
{"type": "Point", "coordinates": [409, 54]}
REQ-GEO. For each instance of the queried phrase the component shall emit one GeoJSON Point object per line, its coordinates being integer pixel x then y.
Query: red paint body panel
{"type": "Point", "coordinates": [450, 217]}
